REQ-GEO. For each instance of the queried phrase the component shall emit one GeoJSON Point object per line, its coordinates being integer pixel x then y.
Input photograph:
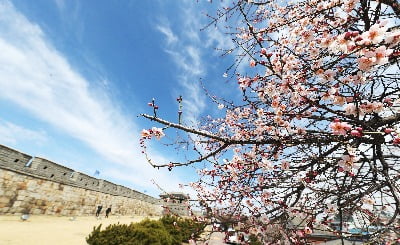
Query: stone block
{"type": "Point", "coordinates": [65, 212]}
{"type": "Point", "coordinates": [22, 186]}
{"type": "Point", "coordinates": [21, 197]}
{"type": "Point", "coordinates": [4, 210]}
{"type": "Point", "coordinates": [3, 205]}
{"type": "Point", "coordinates": [10, 192]}
{"type": "Point", "coordinates": [4, 199]}
{"type": "Point", "coordinates": [37, 211]}
{"type": "Point", "coordinates": [36, 195]}
{"type": "Point", "coordinates": [22, 192]}
{"type": "Point", "coordinates": [17, 210]}
{"type": "Point", "coordinates": [39, 202]}
{"type": "Point", "coordinates": [17, 204]}
{"type": "Point", "coordinates": [31, 185]}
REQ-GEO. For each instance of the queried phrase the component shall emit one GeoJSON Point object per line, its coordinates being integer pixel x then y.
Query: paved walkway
{"type": "Point", "coordinates": [211, 238]}
{"type": "Point", "coordinates": [217, 238]}
{"type": "Point", "coordinates": [50, 230]}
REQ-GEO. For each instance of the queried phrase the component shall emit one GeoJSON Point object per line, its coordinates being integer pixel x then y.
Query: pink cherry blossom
{"type": "Point", "coordinates": [356, 133]}
{"type": "Point", "coordinates": [158, 132]}
{"type": "Point", "coordinates": [366, 63]}
{"type": "Point", "coordinates": [379, 56]}
{"type": "Point", "coordinates": [388, 130]}
{"type": "Point", "coordinates": [374, 35]}
{"type": "Point", "coordinates": [348, 162]}
{"type": "Point", "coordinates": [392, 38]}
{"type": "Point", "coordinates": [340, 128]}
{"type": "Point", "coordinates": [145, 133]}
{"type": "Point", "coordinates": [350, 109]}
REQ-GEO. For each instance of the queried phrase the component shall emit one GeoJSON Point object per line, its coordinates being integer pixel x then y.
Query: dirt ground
{"type": "Point", "coordinates": [50, 230]}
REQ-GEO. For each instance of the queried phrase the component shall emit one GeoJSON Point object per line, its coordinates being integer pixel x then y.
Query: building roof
{"type": "Point", "coordinates": [175, 195]}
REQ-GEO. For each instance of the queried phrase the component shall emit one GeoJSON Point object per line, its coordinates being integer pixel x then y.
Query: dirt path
{"type": "Point", "coordinates": [50, 230]}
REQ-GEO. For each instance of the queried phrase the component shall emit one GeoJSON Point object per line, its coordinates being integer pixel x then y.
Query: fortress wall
{"type": "Point", "coordinates": [39, 186]}
{"type": "Point", "coordinates": [12, 158]}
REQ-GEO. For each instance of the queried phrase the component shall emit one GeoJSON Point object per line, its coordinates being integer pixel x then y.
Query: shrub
{"type": "Point", "coordinates": [146, 232]}
{"type": "Point", "coordinates": [150, 232]}
{"type": "Point", "coordinates": [182, 229]}
{"type": "Point", "coordinates": [174, 230]}
{"type": "Point", "coordinates": [169, 230]}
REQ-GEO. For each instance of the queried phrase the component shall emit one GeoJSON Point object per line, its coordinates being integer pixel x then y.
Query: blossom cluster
{"type": "Point", "coordinates": [149, 133]}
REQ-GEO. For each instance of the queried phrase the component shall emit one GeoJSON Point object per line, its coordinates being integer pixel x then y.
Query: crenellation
{"type": "Point", "coordinates": [38, 186]}
{"type": "Point", "coordinates": [50, 170]}
{"type": "Point", "coordinates": [85, 181]}
{"type": "Point", "coordinates": [11, 158]}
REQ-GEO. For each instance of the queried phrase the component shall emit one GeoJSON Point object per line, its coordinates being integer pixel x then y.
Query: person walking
{"type": "Point", "coordinates": [108, 211]}
{"type": "Point", "coordinates": [98, 210]}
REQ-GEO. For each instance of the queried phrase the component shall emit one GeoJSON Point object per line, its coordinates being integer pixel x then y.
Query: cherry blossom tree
{"type": "Point", "coordinates": [315, 140]}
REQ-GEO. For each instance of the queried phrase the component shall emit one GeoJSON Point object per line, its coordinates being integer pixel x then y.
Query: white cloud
{"type": "Point", "coordinates": [188, 49]}
{"type": "Point", "coordinates": [169, 35]}
{"type": "Point", "coordinates": [35, 76]}
{"type": "Point", "coordinates": [11, 133]}
{"type": "Point", "coordinates": [185, 48]}
{"type": "Point", "coordinates": [216, 37]}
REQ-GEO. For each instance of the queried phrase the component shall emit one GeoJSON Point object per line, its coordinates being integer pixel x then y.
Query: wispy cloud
{"type": "Point", "coordinates": [169, 35]}
{"type": "Point", "coordinates": [191, 51]}
{"type": "Point", "coordinates": [38, 78]}
{"type": "Point", "coordinates": [185, 48]}
{"type": "Point", "coordinates": [11, 133]}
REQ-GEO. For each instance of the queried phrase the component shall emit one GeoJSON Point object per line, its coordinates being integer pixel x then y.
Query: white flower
{"type": "Point", "coordinates": [348, 162]}
{"type": "Point", "coordinates": [367, 200]}
{"type": "Point", "coordinates": [221, 106]}
{"type": "Point", "coordinates": [145, 133]}
{"type": "Point", "coordinates": [350, 109]}
{"type": "Point", "coordinates": [374, 35]}
{"type": "Point", "coordinates": [393, 38]}
{"type": "Point", "coordinates": [158, 132]}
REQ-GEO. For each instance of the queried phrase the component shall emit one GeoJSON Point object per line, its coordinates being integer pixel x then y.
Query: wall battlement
{"type": "Point", "coordinates": [40, 168]}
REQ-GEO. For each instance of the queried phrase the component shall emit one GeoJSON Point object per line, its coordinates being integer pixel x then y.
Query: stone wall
{"type": "Point", "coordinates": [175, 203]}
{"type": "Point", "coordinates": [39, 186]}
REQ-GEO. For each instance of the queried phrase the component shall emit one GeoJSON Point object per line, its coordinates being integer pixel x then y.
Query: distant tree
{"type": "Point", "coordinates": [317, 133]}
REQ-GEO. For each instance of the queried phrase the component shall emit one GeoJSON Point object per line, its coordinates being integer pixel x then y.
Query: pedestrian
{"type": "Point", "coordinates": [108, 210]}
{"type": "Point", "coordinates": [98, 210]}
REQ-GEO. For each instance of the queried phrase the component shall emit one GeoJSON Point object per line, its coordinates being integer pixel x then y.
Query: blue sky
{"type": "Point", "coordinates": [74, 76]}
